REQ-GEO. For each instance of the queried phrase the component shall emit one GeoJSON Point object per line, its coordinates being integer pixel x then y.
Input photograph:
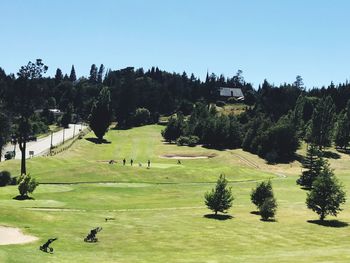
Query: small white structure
{"type": "Point", "coordinates": [231, 93]}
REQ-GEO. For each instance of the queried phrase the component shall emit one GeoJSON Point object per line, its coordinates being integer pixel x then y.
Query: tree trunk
{"type": "Point", "coordinates": [216, 212]}
{"type": "Point", "coordinates": [322, 216]}
{"type": "Point", "coordinates": [22, 147]}
{"type": "Point", "coordinates": [0, 154]}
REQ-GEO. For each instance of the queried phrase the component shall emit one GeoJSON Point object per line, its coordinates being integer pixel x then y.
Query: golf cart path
{"type": "Point", "coordinates": [42, 146]}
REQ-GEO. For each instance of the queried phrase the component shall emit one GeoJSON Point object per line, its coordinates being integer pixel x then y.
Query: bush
{"type": "Point", "coordinates": [141, 117]}
{"type": "Point", "coordinates": [262, 192]}
{"type": "Point", "coordinates": [268, 208]}
{"type": "Point", "coordinates": [220, 103]}
{"type": "Point", "coordinates": [232, 100]}
{"type": "Point", "coordinates": [220, 198]}
{"type": "Point", "coordinates": [187, 140]}
{"type": "Point", "coordinates": [26, 185]}
{"type": "Point", "coordinates": [5, 178]}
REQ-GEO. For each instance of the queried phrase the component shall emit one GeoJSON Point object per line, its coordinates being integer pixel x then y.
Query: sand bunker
{"type": "Point", "coordinates": [10, 235]}
{"type": "Point", "coordinates": [187, 156]}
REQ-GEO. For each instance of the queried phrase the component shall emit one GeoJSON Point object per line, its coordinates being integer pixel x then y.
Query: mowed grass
{"type": "Point", "coordinates": [157, 214]}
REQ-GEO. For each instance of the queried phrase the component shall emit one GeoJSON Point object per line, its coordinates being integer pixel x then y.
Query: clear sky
{"type": "Point", "coordinates": [272, 39]}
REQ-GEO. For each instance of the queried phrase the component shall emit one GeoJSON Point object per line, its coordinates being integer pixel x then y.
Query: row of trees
{"type": "Point", "coordinates": [325, 197]}
{"type": "Point", "coordinates": [312, 119]}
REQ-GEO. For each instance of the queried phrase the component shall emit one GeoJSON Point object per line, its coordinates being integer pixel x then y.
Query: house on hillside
{"type": "Point", "coordinates": [226, 93]}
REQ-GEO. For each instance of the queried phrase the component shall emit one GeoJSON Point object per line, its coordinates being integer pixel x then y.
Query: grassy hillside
{"type": "Point", "coordinates": [158, 213]}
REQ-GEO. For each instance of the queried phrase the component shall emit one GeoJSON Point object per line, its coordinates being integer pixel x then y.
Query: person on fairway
{"type": "Point", "coordinates": [131, 162]}
{"type": "Point", "coordinates": [124, 161]}
{"type": "Point", "coordinates": [148, 164]}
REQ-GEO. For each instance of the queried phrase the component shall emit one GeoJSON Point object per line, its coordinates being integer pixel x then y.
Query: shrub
{"type": "Point", "coordinates": [220, 103]}
{"type": "Point", "coordinates": [5, 178]}
{"type": "Point", "coordinates": [327, 194]}
{"type": "Point", "coordinates": [220, 198]}
{"type": "Point", "coordinates": [262, 192]}
{"type": "Point", "coordinates": [187, 140]}
{"type": "Point", "coordinates": [232, 100]}
{"type": "Point", "coordinates": [26, 185]}
{"type": "Point", "coordinates": [141, 117]}
{"type": "Point", "coordinates": [268, 208]}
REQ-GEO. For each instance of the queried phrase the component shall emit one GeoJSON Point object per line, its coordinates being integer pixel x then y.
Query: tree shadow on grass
{"type": "Point", "coordinates": [331, 155]}
{"type": "Point", "coordinates": [220, 217]}
{"type": "Point", "coordinates": [255, 213]}
{"type": "Point", "coordinates": [268, 220]}
{"type": "Point", "coordinates": [21, 198]}
{"type": "Point", "coordinates": [329, 223]}
{"type": "Point", "coordinates": [97, 141]}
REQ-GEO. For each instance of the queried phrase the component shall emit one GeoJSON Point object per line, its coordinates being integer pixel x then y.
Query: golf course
{"type": "Point", "coordinates": [158, 214]}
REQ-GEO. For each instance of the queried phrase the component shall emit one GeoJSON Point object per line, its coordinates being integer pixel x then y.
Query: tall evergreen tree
{"type": "Point", "coordinates": [100, 74]}
{"type": "Point", "coordinates": [27, 90]}
{"type": "Point", "coordinates": [313, 164]}
{"type": "Point", "coordinates": [72, 76]}
{"type": "Point", "coordinates": [342, 132]}
{"type": "Point", "coordinates": [322, 123]}
{"type": "Point", "coordinates": [58, 76]}
{"type": "Point", "coordinates": [100, 117]}
{"type": "Point", "coordinates": [327, 194]}
{"type": "Point", "coordinates": [93, 73]}
{"type": "Point", "coordinates": [5, 128]}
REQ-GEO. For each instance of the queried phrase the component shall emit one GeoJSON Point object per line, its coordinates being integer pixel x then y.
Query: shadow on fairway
{"type": "Point", "coordinates": [255, 213]}
{"type": "Point", "coordinates": [96, 141]}
{"type": "Point", "coordinates": [21, 198]}
{"type": "Point", "coordinates": [329, 223]}
{"type": "Point", "coordinates": [218, 217]}
{"type": "Point", "coordinates": [268, 220]}
{"type": "Point", "coordinates": [331, 155]}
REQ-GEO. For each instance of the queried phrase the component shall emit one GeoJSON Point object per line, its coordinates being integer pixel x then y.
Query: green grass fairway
{"type": "Point", "coordinates": [157, 214]}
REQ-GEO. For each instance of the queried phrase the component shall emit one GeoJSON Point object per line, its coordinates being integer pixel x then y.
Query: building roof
{"type": "Point", "coordinates": [231, 92]}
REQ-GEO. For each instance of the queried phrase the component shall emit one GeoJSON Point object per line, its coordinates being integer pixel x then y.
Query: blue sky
{"type": "Point", "coordinates": [271, 39]}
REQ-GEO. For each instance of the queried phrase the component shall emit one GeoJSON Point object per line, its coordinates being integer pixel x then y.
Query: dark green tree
{"type": "Point", "coordinates": [313, 163]}
{"type": "Point", "coordinates": [26, 185]}
{"type": "Point", "coordinates": [27, 91]}
{"type": "Point", "coordinates": [101, 70]}
{"type": "Point", "coordinates": [342, 131]}
{"type": "Point", "coordinates": [93, 74]}
{"type": "Point", "coordinates": [327, 194]}
{"type": "Point", "coordinates": [220, 198]}
{"type": "Point", "coordinates": [322, 123]}
{"type": "Point", "coordinates": [174, 129]}
{"type": "Point", "coordinates": [58, 76]}
{"type": "Point", "coordinates": [72, 76]}
{"type": "Point", "coordinates": [341, 137]}
{"type": "Point", "coordinates": [67, 116]}
{"type": "Point", "coordinates": [100, 117]}
{"type": "Point", "coordinates": [5, 130]}
{"type": "Point", "coordinates": [268, 208]}
{"type": "Point", "coordinates": [259, 194]}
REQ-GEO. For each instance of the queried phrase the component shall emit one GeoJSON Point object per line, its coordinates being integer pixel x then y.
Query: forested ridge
{"type": "Point", "coordinates": [275, 121]}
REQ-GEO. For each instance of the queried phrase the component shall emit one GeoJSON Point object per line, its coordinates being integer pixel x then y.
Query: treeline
{"type": "Point", "coordinates": [138, 97]}
{"type": "Point", "coordinates": [280, 119]}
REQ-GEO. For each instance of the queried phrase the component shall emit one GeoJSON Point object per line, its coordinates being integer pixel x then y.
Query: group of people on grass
{"type": "Point", "coordinates": [131, 162]}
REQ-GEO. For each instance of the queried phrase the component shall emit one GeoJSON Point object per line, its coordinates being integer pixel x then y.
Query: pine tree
{"type": "Point", "coordinates": [100, 117]}
{"type": "Point", "coordinates": [261, 193]}
{"type": "Point", "coordinates": [322, 123]}
{"type": "Point", "coordinates": [314, 164]}
{"type": "Point", "coordinates": [93, 73]}
{"type": "Point", "coordinates": [219, 199]}
{"type": "Point", "coordinates": [100, 74]}
{"type": "Point", "coordinates": [327, 194]}
{"type": "Point", "coordinates": [72, 76]}
{"type": "Point", "coordinates": [58, 76]}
